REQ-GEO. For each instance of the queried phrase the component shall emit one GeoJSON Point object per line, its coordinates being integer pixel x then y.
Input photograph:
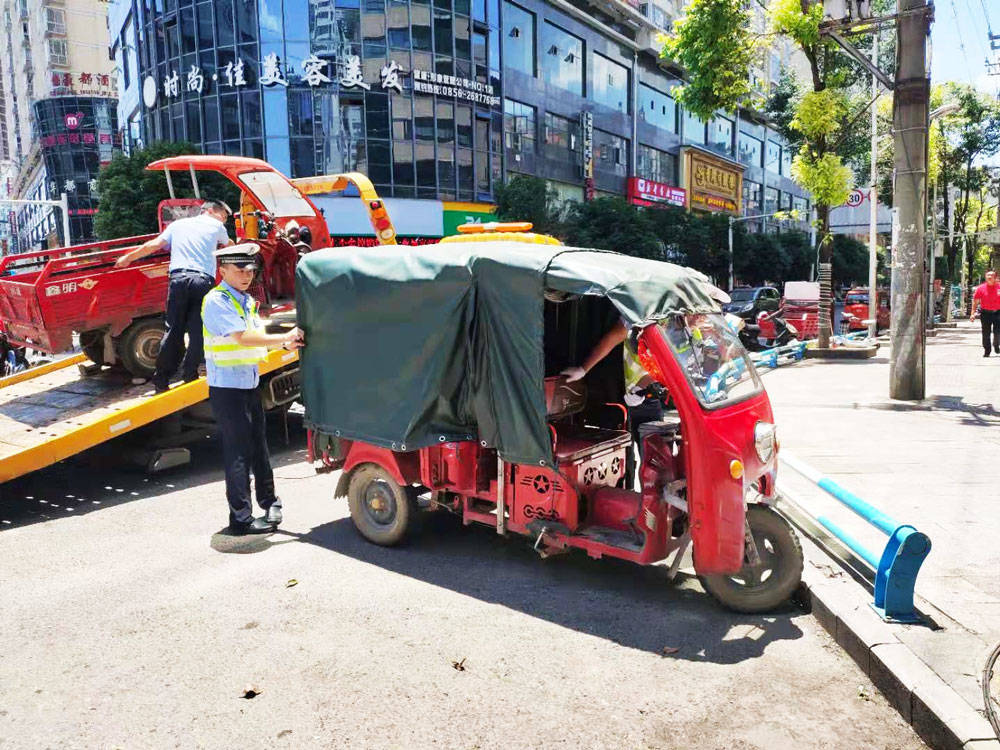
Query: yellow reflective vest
{"type": "Point", "coordinates": [226, 351]}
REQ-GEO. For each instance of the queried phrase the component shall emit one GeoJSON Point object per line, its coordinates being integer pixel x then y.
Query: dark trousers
{"type": "Point", "coordinates": [240, 416]}
{"type": "Point", "coordinates": [184, 295]}
{"type": "Point", "coordinates": [650, 410]}
{"type": "Point", "coordinates": [990, 320]}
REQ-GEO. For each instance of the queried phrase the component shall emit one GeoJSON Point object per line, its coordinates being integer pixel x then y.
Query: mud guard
{"type": "Point", "coordinates": [404, 468]}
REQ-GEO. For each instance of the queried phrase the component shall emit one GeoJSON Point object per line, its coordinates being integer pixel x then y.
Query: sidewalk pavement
{"type": "Point", "coordinates": [933, 464]}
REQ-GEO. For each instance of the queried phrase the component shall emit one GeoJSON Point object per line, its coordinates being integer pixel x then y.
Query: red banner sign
{"type": "Point", "coordinates": [643, 192]}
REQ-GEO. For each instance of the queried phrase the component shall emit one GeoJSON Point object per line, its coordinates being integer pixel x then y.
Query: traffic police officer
{"type": "Point", "coordinates": [235, 342]}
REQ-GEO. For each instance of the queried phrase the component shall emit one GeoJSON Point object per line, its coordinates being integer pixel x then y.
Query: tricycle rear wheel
{"type": "Point", "coordinates": [383, 511]}
{"type": "Point", "coordinates": [139, 345]}
{"type": "Point", "coordinates": [763, 587]}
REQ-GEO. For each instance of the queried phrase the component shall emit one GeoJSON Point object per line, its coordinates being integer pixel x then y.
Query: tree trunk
{"type": "Point", "coordinates": [949, 251]}
{"type": "Point", "coordinates": [825, 275]}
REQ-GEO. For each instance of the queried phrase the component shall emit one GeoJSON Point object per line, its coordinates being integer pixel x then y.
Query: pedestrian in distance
{"type": "Point", "coordinates": [987, 299]}
{"type": "Point", "coordinates": [191, 242]}
{"type": "Point", "coordinates": [235, 342]}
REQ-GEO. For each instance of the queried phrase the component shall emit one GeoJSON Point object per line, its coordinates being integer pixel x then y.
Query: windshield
{"type": "Point", "coordinates": [856, 299]}
{"type": "Point", "coordinates": [741, 295]}
{"type": "Point", "coordinates": [278, 197]}
{"type": "Point", "coordinates": [712, 358]}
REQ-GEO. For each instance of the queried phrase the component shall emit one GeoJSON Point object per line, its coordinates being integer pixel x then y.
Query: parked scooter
{"type": "Point", "coordinates": [769, 331]}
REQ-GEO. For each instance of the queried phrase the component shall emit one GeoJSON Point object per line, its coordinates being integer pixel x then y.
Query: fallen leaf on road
{"type": "Point", "coordinates": [459, 665]}
{"type": "Point", "coordinates": [667, 650]}
{"type": "Point", "coordinates": [291, 582]}
{"type": "Point", "coordinates": [863, 693]}
{"type": "Point", "coordinates": [251, 691]}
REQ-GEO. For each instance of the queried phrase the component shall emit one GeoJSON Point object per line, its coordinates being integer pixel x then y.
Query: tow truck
{"type": "Point", "coordinates": [49, 298]}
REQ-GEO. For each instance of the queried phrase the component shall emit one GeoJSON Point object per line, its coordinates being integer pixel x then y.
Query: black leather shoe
{"type": "Point", "coordinates": [273, 515]}
{"type": "Point", "coordinates": [987, 354]}
{"type": "Point", "coordinates": [256, 526]}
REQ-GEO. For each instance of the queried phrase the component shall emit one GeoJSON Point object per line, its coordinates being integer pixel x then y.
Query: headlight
{"type": "Point", "coordinates": [764, 440]}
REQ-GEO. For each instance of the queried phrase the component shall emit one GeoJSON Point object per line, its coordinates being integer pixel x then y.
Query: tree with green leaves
{"type": "Point", "coordinates": [959, 142]}
{"type": "Point", "coordinates": [820, 119]}
{"type": "Point", "coordinates": [695, 240]}
{"type": "Point", "coordinates": [528, 198]}
{"type": "Point", "coordinates": [130, 195]}
{"type": "Point", "coordinates": [613, 224]}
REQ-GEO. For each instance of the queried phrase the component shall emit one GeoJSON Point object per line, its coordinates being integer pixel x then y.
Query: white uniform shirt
{"type": "Point", "coordinates": [192, 242]}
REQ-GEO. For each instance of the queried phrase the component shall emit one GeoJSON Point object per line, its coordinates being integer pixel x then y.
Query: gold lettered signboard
{"type": "Point", "coordinates": [713, 184]}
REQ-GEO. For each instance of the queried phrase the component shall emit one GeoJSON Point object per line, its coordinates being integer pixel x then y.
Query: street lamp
{"type": "Point", "coordinates": [792, 214]}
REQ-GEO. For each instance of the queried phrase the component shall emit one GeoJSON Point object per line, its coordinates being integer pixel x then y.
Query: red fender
{"type": "Point", "coordinates": [404, 468]}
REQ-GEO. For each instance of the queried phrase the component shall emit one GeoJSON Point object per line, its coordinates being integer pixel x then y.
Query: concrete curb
{"type": "Point", "coordinates": [939, 715]}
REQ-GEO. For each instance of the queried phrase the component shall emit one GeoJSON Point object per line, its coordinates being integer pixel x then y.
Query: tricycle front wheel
{"type": "Point", "coordinates": [761, 588]}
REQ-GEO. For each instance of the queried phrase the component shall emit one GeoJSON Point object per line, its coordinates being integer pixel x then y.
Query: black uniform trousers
{"type": "Point", "coordinates": [184, 296]}
{"type": "Point", "coordinates": [990, 320]}
{"type": "Point", "coordinates": [240, 416]}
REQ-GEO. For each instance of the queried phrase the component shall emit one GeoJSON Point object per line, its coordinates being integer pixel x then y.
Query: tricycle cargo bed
{"type": "Point", "coordinates": [47, 296]}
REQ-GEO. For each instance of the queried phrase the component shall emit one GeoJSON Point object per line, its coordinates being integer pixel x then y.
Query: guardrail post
{"type": "Point", "coordinates": [897, 574]}
{"type": "Point", "coordinates": [904, 552]}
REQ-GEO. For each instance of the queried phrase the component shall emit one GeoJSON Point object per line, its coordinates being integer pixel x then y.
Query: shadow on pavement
{"type": "Point", "coordinates": [981, 415]}
{"type": "Point", "coordinates": [632, 605]}
{"type": "Point", "coordinates": [100, 479]}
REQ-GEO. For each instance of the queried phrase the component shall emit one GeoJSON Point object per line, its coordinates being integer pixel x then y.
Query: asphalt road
{"type": "Point", "coordinates": [128, 621]}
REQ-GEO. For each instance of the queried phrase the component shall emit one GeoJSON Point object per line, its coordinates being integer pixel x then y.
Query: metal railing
{"type": "Point", "coordinates": [779, 355]}
{"type": "Point", "coordinates": [896, 568]}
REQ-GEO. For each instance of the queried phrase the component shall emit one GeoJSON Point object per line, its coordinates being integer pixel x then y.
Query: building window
{"type": "Point", "coordinates": [58, 53]}
{"type": "Point", "coordinates": [657, 108]}
{"type": "Point", "coordinates": [562, 135]}
{"type": "Point", "coordinates": [773, 162]}
{"type": "Point", "coordinates": [55, 20]}
{"type": "Point", "coordinates": [660, 17]}
{"type": "Point", "coordinates": [771, 200]}
{"type": "Point", "coordinates": [786, 161]}
{"type": "Point", "coordinates": [610, 153]}
{"type": "Point", "coordinates": [752, 194]}
{"type": "Point", "coordinates": [694, 128]}
{"type": "Point", "coordinates": [802, 206]}
{"type": "Point", "coordinates": [750, 150]}
{"type": "Point", "coordinates": [562, 59]}
{"type": "Point", "coordinates": [656, 165]}
{"type": "Point", "coordinates": [518, 39]}
{"type": "Point", "coordinates": [518, 127]}
{"type": "Point", "coordinates": [720, 135]}
{"type": "Point", "coordinates": [609, 85]}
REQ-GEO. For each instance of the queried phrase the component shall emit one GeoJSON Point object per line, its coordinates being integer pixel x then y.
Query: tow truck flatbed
{"type": "Point", "coordinates": [51, 413]}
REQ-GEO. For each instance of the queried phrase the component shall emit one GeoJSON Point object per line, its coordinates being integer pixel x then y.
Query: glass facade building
{"type": "Point", "coordinates": [406, 92]}
{"type": "Point", "coordinates": [440, 99]}
{"type": "Point", "coordinates": [77, 136]}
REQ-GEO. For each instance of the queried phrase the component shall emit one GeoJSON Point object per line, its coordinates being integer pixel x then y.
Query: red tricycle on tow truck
{"type": "Point", "coordinates": [48, 296]}
{"type": "Point", "coordinates": [431, 380]}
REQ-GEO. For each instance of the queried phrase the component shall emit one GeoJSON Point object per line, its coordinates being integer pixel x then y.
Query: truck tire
{"type": "Point", "coordinates": [92, 343]}
{"type": "Point", "coordinates": [767, 586]}
{"type": "Point", "coordinates": [383, 512]}
{"type": "Point", "coordinates": [139, 344]}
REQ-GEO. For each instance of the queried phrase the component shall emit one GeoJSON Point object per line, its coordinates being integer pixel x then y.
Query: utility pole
{"type": "Point", "coordinates": [873, 203]}
{"type": "Point", "coordinates": [910, 122]}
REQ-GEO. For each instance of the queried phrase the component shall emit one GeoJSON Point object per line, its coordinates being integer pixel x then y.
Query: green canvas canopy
{"type": "Point", "coordinates": [408, 347]}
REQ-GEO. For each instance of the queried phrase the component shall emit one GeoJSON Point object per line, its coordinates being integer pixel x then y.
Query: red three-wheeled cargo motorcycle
{"type": "Point", "coordinates": [431, 380]}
